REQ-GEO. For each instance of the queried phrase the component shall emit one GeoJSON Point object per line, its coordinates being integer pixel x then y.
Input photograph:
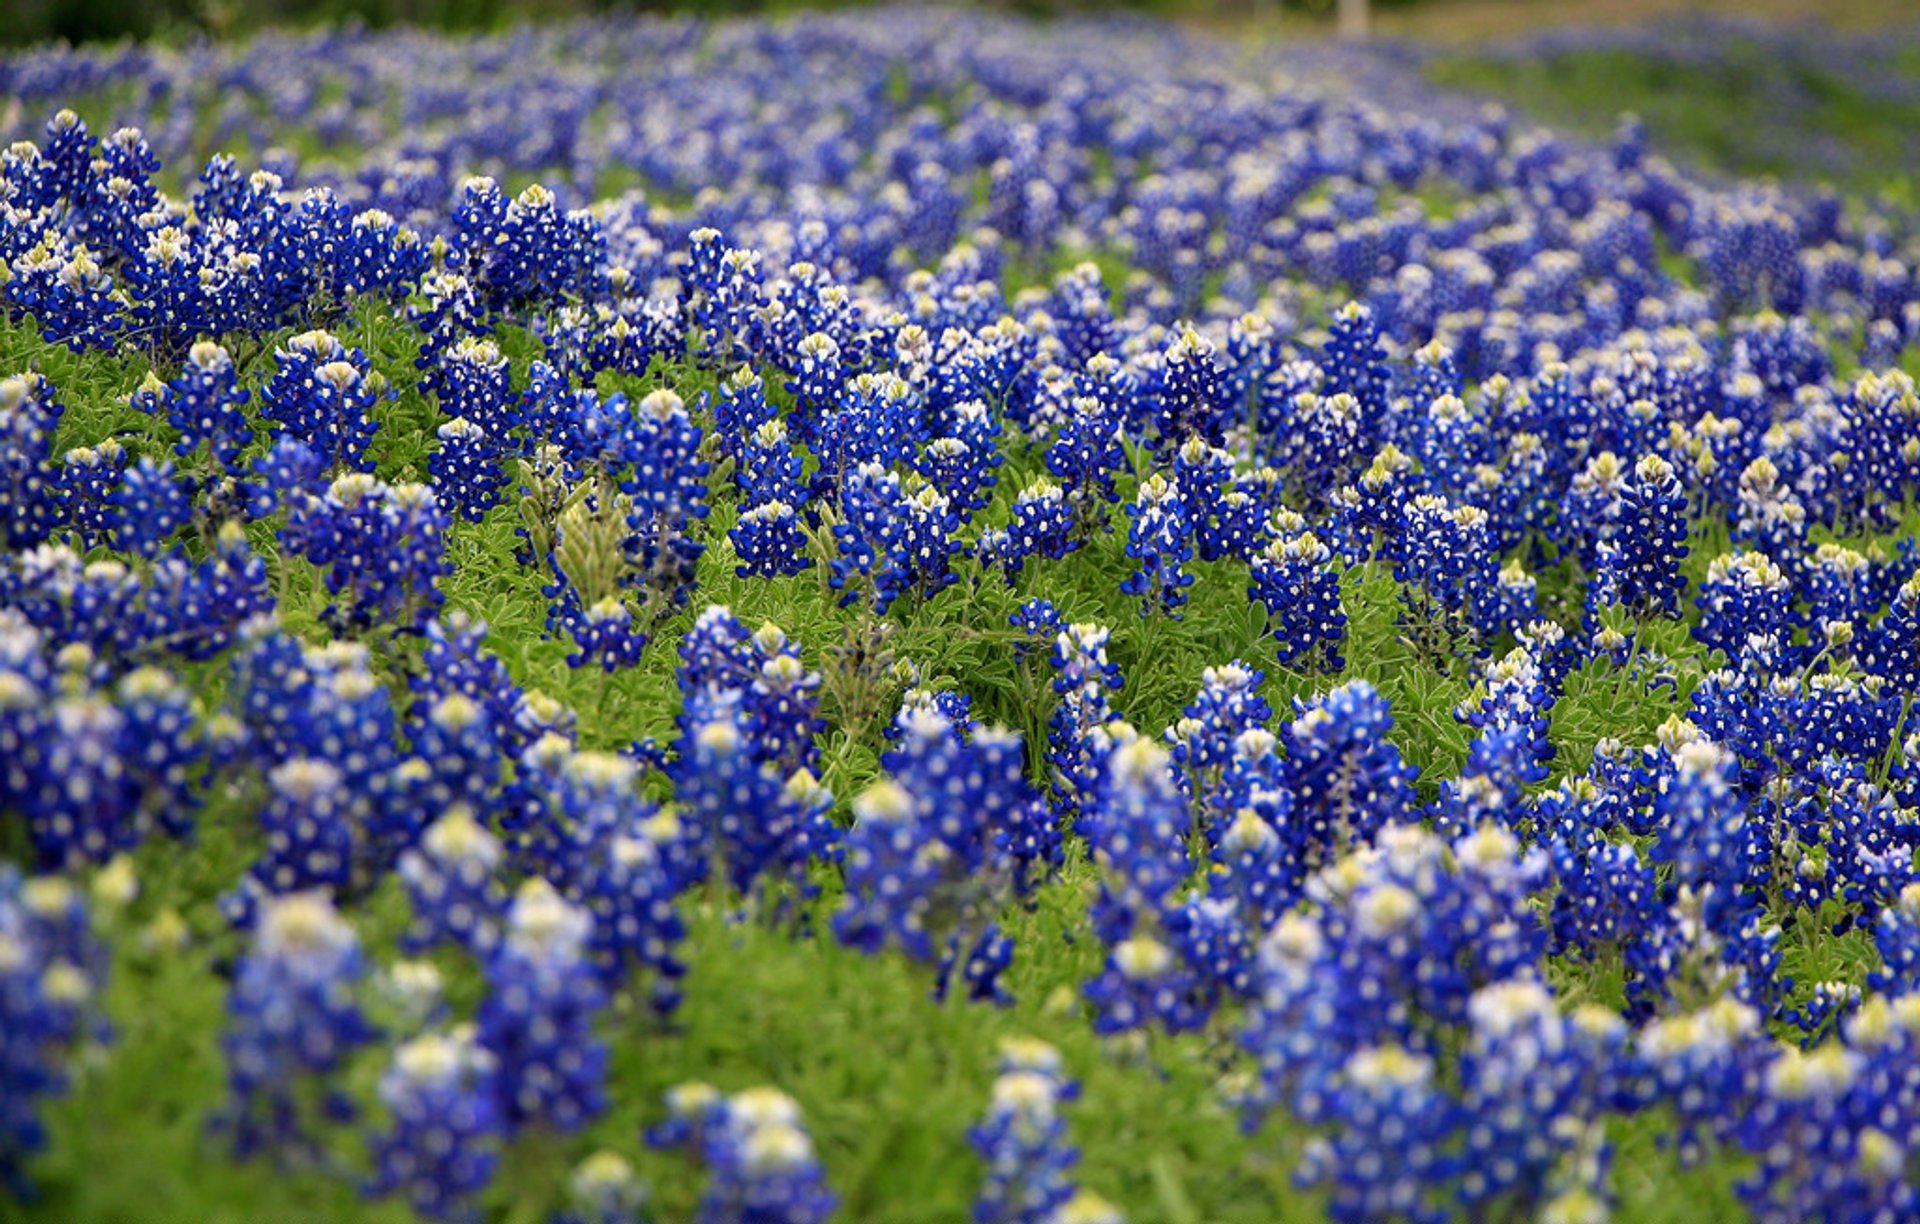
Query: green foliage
{"type": "Point", "coordinates": [1739, 111]}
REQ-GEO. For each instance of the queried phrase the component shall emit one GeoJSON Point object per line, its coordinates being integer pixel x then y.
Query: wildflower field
{"type": "Point", "coordinates": [906, 616]}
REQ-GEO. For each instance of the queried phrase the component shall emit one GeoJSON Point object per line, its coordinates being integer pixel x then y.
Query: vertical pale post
{"type": "Point", "coordinates": [1353, 18]}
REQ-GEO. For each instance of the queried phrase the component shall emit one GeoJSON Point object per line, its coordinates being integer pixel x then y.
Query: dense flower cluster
{"type": "Point", "coordinates": [1555, 778]}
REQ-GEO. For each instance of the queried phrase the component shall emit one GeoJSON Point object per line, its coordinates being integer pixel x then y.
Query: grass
{"type": "Point", "coordinates": [1745, 111]}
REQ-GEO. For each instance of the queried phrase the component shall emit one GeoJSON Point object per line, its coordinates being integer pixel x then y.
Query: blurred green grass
{"type": "Point", "coordinates": [1745, 111]}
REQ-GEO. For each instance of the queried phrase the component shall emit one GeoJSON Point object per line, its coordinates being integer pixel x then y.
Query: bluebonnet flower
{"type": "Point", "coordinates": [898, 541]}
{"type": "Point", "coordinates": [1194, 400]}
{"type": "Point", "coordinates": [591, 573]}
{"type": "Point", "coordinates": [1385, 1099]}
{"type": "Point", "coordinates": [875, 419]}
{"type": "Point", "coordinates": [1370, 515]}
{"type": "Point", "coordinates": [536, 1022]}
{"type": "Point", "coordinates": [962, 464]}
{"type": "Point", "coordinates": [1512, 604]}
{"type": "Point", "coordinates": [62, 284]}
{"type": "Point", "coordinates": [1768, 516]}
{"type": "Point", "coordinates": [149, 507]}
{"type": "Point", "coordinates": [739, 411]}
{"type": "Point", "coordinates": [1138, 830]}
{"type": "Point", "coordinates": [322, 393]}
{"type": "Point", "coordinates": [735, 800]}
{"type": "Point", "coordinates": [1348, 780]}
{"type": "Point", "coordinates": [604, 632]}
{"type": "Point", "coordinates": [29, 499]}
{"type": "Point", "coordinates": [935, 850]}
{"type": "Point", "coordinates": [1892, 647]}
{"type": "Point", "coordinates": [1293, 579]}
{"type": "Point", "coordinates": [771, 541]}
{"type": "Point", "coordinates": [1452, 441]}
{"type": "Point", "coordinates": [783, 702]}
{"type": "Point", "coordinates": [717, 654]}
{"type": "Point", "coordinates": [1748, 247]}
{"type": "Point", "coordinates": [525, 250]}
{"type": "Point", "coordinates": [1157, 538]}
{"type": "Point", "coordinates": [451, 883]}
{"type": "Point", "coordinates": [1076, 730]}
{"type": "Point", "coordinates": [1204, 741]}
{"type": "Point", "coordinates": [1255, 866]}
{"type": "Point", "coordinates": [760, 1160]}
{"type": "Point", "coordinates": [1038, 620]}
{"type": "Point", "coordinates": [89, 478]}
{"type": "Point", "coordinates": [819, 374]}
{"type": "Point", "coordinates": [564, 806]}
{"type": "Point", "coordinates": [767, 468]}
{"type": "Point", "coordinates": [1518, 694]}
{"type": "Point", "coordinates": [1744, 601]}
{"type": "Point", "coordinates": [1591, 504]}
{"type": "Point", "coordinates": [383, 547]}
{"type": "Point", "coordinates": [206, 404]}
{"type": "Point", "coordinates": [667, 483]}
{"type": "Point", "coordinates": [292, 1020]}
{"type": "Point", "coordinates": [1235, 526]}
{"type": "Point", "coordinates": [723, 291]}
{"type": "Point", "coordinates": [437, 1150]}
{"type": "Point", "coordinates": [1896, 937]}
{"type": "Point", "coordinates": [1537, 1086]}
{"type": "Point", "coordinates": [1354, 358]}
{"type": "Point", "coordinates": [1087, 455]}
{"type": "Point", "coordinates": [94, 773]}
{"type": "Point", "coordinates": [51, 971]}
{"type": "Point", "coordinates": [470, 381]}
{"type": "Point", "coordinates": [1353, 972]}
{"type": "Point", "coordinates": [630, 889]}
{"type": "Point", "coordinates": [1838, 587]}
{"type": "Point", "coordinates": [163, 746]}
{"type": "Point", "coordinates": [1041, 526]}
{"type": "Point", "coordinates": [458, 662]}
{"type": "Point", "coordinates": [466, 469]}
{"type": "Point", "coordinates": [1444, 561]}
{"type": "Point", "coordinates": [1817, 1124]}
{"type": "Point", "coordinates": [379, 256]}
{"type": "Point", "coordinates": [449, 309]}
{"type": "Point", "coordinates": [1201, 475]}
{"type": "Point", "coordinates": [309, 836]}
{"type": "Point", "coordinates": [1639, 563]}
{"type": "Point", "coordinates": [77, 603]}
{"type": "Point", "coordinates": [604, 1189]}
{"type": "Point", "coordinates": [1022, 1140]}
{"type": "Point", "coordinates": [175, 607]}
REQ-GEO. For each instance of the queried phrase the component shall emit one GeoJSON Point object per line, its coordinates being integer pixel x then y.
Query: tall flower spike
{"type": "Point", "coordinates": [292, 1020]}
{"type": "Point", "coordinates": [438, 1152]}
{"type": "Point", "coordinates": [1294, 580]}
{"type": "Point", "coordinates": [1348, 779]}
{"type": "Point", "coordinates": [1639, 564]}
{"type": "Point", "coordinates": [51, 971]}
{"type": "Point", "coordinates": [537, 1020]}
{"type": "Point", "coordinates": [761, 1162]}
{"type": "Point", "coordinates": [451, 883]}
{"type": "Point", "coordinates": [1157, 538]}
{"type": "Point", "coordinates": [206, 404]}
{"type": "Point", "coordinates": [1022, 1141]}
{"type": "Point", "coordinates": [604, 1189]}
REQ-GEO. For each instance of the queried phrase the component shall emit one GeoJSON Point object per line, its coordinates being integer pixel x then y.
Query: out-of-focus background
{"type": "Point", "coordinates": [1814, 91]}
{"type": "Point", "coordinates": [29, 21]}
